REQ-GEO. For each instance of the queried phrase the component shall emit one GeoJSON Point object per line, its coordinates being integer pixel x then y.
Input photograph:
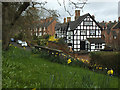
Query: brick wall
{"type": "Point", "coordinates": [51, 28]}
{"type": "Point", "coordinates": [65, 49]}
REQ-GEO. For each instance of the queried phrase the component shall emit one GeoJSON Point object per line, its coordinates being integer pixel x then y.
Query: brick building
{"type": "Point", "coordinates": [106, 32]}
{"type": "Point", "coordinates": [43, 27]}
{"type": "Point", "coordinates": [111, 33]}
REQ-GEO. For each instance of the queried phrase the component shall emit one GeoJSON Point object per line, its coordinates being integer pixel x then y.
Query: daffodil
{"type": "Point", "coordinates": [10, 44]}
{"type": "Point", "coordinates": [106, 68]}
{"type": "Point", "coordinates": [110, 72]}
{"type": "Point", "coordinates": [24, 48]}
{"type": "Point", "coordinates": [100, 67]}
{"type": "Point", "coordinates": [69, 61]}
{"type": "Point", "coordinates": [96, 67]}
{"type": "Point", "coordinates": [15, 47]}
{"type": "Point", "coordinates": [74, 59]}
{"type": "Point", "coordinates": [34, 89]}
{"type": "Point", "coordinates": [52, 53]}
{"type": "Point", "coordinates": [57, 53]}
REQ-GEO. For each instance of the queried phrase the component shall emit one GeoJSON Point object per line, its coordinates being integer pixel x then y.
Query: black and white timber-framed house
{"type": "Point", "coordinates": [84, 33]}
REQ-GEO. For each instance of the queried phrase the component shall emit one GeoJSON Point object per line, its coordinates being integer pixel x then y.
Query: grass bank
{"type": "Point", "coordinates": [22, 69]}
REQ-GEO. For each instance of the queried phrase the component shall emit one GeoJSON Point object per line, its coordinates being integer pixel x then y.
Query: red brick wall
{"type": "Point", "coordinates": [65, 49]}
{"type": "Point", "coordinates": [51, 28]}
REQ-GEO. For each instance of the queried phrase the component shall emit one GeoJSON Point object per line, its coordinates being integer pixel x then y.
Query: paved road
{"type": "Point", "coordinates": [18, 45]}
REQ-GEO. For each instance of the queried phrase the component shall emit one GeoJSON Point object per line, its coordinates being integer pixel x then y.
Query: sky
{"type": "Point", "coordinates": [106, 10]}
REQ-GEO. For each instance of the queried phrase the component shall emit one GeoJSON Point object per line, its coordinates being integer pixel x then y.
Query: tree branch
{"type": "Point", "coordinates": [20, 10]}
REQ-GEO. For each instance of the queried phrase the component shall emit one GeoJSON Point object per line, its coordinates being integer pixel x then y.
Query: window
{"type": "Point", "coordinates": [88, 23]}
{"type": "Point", "coordinates": [92, 32]}
{"type": "Point", "coordinates": [98, 46]}
{"type": "Point", "coordinates": [83, 32]}
{"type": "Point", "coordinates": [69, 44]}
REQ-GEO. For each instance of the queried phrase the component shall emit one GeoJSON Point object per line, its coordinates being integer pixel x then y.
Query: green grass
{"type": "Point", "coordinates": [22, 69]}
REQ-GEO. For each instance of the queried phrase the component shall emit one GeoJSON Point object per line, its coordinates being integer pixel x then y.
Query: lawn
{"type": "Point", "coordinates": [22, 69]}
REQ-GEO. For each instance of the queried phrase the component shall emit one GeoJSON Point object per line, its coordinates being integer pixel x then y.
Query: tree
{"type": "Point", "coordinates": [12, 11]}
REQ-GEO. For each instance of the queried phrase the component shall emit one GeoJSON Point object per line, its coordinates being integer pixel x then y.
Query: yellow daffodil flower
{"type": "Point", "coordinates": [110, 72]}
{"type": "Point", "coordinates": [96, 67]}
{"type": "Point", "coordinates": [106, 68]}
{"type": "Point", "coordinates": [69, 61]}
{"type": "Point", "coordinates": [24, 47]}
{"type": "Point", "coordinates": [34, 89]}
{"type": "Point", "coordinates": [100, 67]}
{"type": "Point", "coordinates": [57, 53]}
{"type": "Point", "coordinates": [10, 44]}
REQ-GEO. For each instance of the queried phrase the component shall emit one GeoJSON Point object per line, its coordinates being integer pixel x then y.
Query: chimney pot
{"type": "Point", "coordinates": [68, 19]}
{"type": "Point", "coordinates": [77, 14]}
{"type": "Point", "coordinates": [64, 20]}
{"type": "Point", "coordinates": [93, 16]}
{"type": "Point", "coordinates": [119, 19]}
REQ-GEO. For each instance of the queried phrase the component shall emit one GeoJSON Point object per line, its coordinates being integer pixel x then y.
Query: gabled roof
{"type": "Point", "coordinates": [117, 26]}
{"type": "Point", "coordinates": [57, 26]}
{"type": "Point", "coordinates": [42, 25]}
{"type": "Point", "coordinates": [108, 27]}
{"type": "Point", "coordinates": [62, 26]}
{"type": "Point", "coordinates": [74, 24]}
{"type": "Point", "coordinates": [95, 40]}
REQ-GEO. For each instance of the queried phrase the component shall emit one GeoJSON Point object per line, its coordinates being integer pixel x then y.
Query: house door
{"type": "Point", "coordinates": [82, 45]}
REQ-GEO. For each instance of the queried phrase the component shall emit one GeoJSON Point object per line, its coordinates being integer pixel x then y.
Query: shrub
{"type": "Point", "coordinates": [106, 59]}
{"type": "Point", "coordinates": [61, 41]}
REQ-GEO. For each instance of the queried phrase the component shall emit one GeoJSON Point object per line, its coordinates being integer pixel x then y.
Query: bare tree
{"type": "Point", "coordinates": [13, 11]}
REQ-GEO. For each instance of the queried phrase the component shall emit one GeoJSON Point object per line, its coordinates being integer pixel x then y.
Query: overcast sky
{"type": "Point", "coordinates": [106, 10]}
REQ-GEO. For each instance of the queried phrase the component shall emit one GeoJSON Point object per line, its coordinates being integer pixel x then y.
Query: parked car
{"type": "Point", "coordinates": [12, 39]}
{"type": "Point", "coordinates": [19, 42]}
{"type": "Point", "coordinates": [24, 44]}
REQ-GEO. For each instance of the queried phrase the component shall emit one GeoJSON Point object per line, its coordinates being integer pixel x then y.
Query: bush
{"type": "Point", "coordinates": [61, 41]}
{"type": "Point", "coordinates": [106, 59]}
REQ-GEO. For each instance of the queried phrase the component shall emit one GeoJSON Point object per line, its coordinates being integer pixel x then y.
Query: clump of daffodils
{"type": "Point", "coordinates": [110, 72]}
{"type": "Point", "coordinates": [69, 61]}
{"type": "Point", "coordinates": [52, 38]}
{"type": "Point", "coordinates": [24, 48]}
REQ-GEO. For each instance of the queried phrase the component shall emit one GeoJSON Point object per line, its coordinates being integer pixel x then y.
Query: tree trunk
{"type": "Point", "coordinates": [6, 28]}
{"type": "Point", "coordinates": [9, 21]}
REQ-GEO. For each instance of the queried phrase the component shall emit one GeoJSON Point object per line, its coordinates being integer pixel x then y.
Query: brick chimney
{"type": "Point", "coordinates": [77, 14]}
{"type": "Point", "coordinates": [110, 21]}
{"type": "Point", "coordinates": [115, 21]}
{"type": "Point", "coordinates": [93, 16]}
{"type": "Point", "coordinates": [47, 19]}
{"type": "Point", "coordinates": [68, 19]}
{"type": "Point", "coordinates": [118, 19]}
{"type": "Point", "coordinates": [64, 20]}
{"type": "Point", "coordinates": [50, 19]}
